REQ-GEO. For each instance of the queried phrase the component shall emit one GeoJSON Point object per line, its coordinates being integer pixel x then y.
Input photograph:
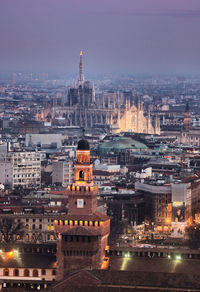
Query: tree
{"type": "Point", "coordinates": [10, 230]}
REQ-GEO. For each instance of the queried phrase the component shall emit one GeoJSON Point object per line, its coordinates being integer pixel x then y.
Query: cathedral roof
{"type": "Point", "coordinates": [83, 145]}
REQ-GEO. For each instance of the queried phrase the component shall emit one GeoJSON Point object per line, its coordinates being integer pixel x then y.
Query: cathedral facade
{"type": "Point", "coordinates": [116, 109]}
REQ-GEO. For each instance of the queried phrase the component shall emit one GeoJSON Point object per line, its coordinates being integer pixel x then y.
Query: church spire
{"type": "Point", "coordinates": [81, 75]}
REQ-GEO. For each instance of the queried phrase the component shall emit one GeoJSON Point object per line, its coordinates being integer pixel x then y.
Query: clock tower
{"type": "Point", "coordinates": [83, 232]}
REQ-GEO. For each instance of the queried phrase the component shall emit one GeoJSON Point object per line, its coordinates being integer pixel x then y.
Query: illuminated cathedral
{"type": "Point", "coordinates": [81, 107]}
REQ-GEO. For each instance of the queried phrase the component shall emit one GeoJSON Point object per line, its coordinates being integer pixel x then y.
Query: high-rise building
{"type": "Point", "coordinates": [83, 232]}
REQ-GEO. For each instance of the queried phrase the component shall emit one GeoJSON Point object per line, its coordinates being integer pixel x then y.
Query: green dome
{"type": "Point", "coordinates": [121, 143]}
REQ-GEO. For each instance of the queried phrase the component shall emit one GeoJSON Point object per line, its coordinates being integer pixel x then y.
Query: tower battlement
{"type": "Point", "coordinates": [76, 188]}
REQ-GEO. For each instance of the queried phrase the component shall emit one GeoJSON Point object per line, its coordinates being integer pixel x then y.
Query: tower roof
{"type": "Point", "coordinates": [83, 145]}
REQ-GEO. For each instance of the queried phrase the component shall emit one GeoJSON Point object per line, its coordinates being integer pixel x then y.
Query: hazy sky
{"type": "Point", "coordinates": [127, 36]}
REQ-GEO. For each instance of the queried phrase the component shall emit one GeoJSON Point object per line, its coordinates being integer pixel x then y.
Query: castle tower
{"type": "Point", "coordinates": [83, 232]}
{"type": "Point", "coordinates": [187, 118]}
{"type": "Point", "coordinates": [81, 75]}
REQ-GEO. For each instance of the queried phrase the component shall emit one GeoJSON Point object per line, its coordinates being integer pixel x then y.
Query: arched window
{"type": "Point", "coordinates": [35, 273]}
{"type": "Point", "coordinates": [6, 272]}
{"type": "Point", "coordinates": [81, 175]}
{"type": "Point", "coordinates": [26, 273]}
{"type": "Point", "coordinates": [18, 237]}
{"type": "Point", "coordinates": [16, 273]}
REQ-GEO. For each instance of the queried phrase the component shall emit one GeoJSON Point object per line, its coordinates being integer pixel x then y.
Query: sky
{"type": "Point", "coordinates": [116, 36]}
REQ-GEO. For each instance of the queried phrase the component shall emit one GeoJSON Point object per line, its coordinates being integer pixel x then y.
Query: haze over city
{"type": "Point", "coordinates": [125, 37]}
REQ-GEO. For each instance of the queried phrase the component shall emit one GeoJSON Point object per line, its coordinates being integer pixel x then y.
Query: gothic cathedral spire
{"type": "Point", "coordinates": [81, 75]}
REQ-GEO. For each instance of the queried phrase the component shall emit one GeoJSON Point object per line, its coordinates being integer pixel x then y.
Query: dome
{"type": "Point", "coordinates": [121, 143]}
{"type": "Point", "coordinates": [83, 145]}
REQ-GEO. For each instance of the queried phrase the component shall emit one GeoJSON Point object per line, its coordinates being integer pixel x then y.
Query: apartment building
{"type": "Point", "coordinates": [20, 168]}
{"type": "Point", "coordinates": [62, 172]}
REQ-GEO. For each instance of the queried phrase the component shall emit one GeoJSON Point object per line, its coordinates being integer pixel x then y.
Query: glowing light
{"type": "Point", "coordinates": [169, 257]}
{"type": "Point", "coordinates": [178, 257]}
{"type": "Point", "coordinates": [107, 247]}
{"type": "Point", "coordinates": [127, 255]}
{"type": "Point", "coordinates": [105, 263]}
{"type": "Point", "coordinates": [168, 220]}
{"type": "Point", "coordinates": [11, 253]}
{"type": "Point", "coordinates": [125, 263]}
{"type": "Point", "coordinates": [177, 204]}
{"type": "Point", "coordinates": [81, 53]}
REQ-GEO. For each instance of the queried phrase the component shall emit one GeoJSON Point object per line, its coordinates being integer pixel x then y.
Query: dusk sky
{"type": "Point", "coordinates": [122, 36]}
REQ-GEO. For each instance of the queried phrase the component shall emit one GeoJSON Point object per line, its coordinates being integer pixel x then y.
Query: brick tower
{"type": "Point", "coordinates": [83, 232]}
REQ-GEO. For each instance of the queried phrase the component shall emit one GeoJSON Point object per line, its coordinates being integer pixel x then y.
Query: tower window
{"type": "Point", "coordinates": [81, 175]}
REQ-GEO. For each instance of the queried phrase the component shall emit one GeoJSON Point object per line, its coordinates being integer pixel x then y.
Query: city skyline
{"type": "Point", "coordinates": [129, 37]}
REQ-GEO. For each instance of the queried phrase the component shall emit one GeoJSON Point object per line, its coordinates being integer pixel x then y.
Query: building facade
{"type": "Point", "coordinates": [62, 172]}
{"type": "Point", "coordinates": [21, 168]}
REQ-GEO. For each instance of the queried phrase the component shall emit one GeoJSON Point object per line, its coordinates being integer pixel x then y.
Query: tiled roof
{"type": "Point", "coordinates": [80, 230]}
{"type": "Point", "coordinates": [93, 217]}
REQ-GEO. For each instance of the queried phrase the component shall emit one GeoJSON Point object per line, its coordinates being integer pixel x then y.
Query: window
{"type": "Point", "coordinates": [18, 237]}
{"type": "Point", "coordinates": [81, 175]}
{"type": "Point", "coordinates": [16, 273]}
{"type": "Point", "coordinates": [40, 226]}
{"type": "Point", "coordinates": [33, 226]}
{"type": "Point", "coordinates": [43, 272]}
{"type": "Point", "coordinates": [35, 273]}
{"type": "Point", "coordinates": [54, 272]}
{"type": "Point", "coordinates": [6, 272]}
{"type": "Point", "coordinates": [26, 273]}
